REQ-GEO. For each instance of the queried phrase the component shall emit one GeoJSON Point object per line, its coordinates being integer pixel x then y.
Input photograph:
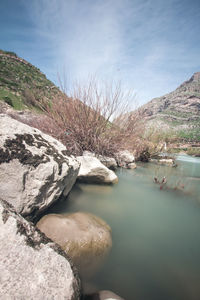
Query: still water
{"type": "Point", "coordinates": [155, 230]}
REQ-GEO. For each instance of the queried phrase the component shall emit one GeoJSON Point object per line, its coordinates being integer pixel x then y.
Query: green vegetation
{"type": "Point", "coordinates": [189, 135]}
{"type": "Point", "coordinates": [195, 151]}
{"type": "Point", "coordinates": [179, 114]}
{"type": "Point", "coordinates": [11, 99]}
{"type": "Point", "coordinates": [8, 52]}
{"type": "Point", "coordinates": [21, 84]}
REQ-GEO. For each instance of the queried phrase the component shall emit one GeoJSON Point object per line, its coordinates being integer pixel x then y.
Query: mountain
{"type": "Point", "coordinates": [21, 84]}
{"type": "Point", "coordinates": [177, 112]}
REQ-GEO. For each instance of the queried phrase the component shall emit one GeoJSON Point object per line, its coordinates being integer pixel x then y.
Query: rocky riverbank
{"type": "Point", "coordinates": [35, 171]}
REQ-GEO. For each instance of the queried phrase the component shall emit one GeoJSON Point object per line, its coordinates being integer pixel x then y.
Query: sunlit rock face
{"type": "Point", "coordinates": [31, 265]}
{"type": "Point", "coordinates": [109, 162]}
{"type": "Point", "coordinates": [93, 171]}
{"type": "Point", "coordinates": [84, 237]}
{"type": "Point", "coordinates": [178, 110]}
{"type": "Point", "coordinates": [34, 167]}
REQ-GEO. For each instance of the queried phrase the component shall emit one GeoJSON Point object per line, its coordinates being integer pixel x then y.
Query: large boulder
{"type": "Point", "coordinates": [93, 171]}
{"type": "Point", "coordinates": [34, 167]}
{"type": "Point", "coordinates": [109, 162]}
{"type": "Point", "coordinates": [84, 237]}
{"type": "Point", "coordinates": [31, 265]}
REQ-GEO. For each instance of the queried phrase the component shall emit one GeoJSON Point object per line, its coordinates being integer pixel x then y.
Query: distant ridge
{"type": "Point", "coordinates": [178, 110]}
{"type": "Point", "coordinates": [186, 98]}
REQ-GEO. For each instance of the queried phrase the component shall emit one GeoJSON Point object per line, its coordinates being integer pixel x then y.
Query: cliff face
{"type": "Point", "coordinates": [178, 110]}
{"type": "Point", "coordinates": [185, 99]}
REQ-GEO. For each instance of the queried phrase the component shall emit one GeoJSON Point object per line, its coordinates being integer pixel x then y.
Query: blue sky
{"type": "Point", "coordinates": [152, 46]}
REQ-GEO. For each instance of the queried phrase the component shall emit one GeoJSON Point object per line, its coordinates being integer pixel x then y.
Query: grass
{"type": "Point", "coordinates": [11, 99]}
{"type": "Point", "coordinates": [190, 135]}
{"type": "Point", "coordinates": [19, 76]}
{"type": "Point", "coordinates": [179, 114]}
{"type": "Point", "coordinates": [195, 151]}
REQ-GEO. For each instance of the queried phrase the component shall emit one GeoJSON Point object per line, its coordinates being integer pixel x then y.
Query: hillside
{"type": "Point", "coordinates": [21, 84]}
{"type": "Point", "coordinates": [175, 116]}
{"type": "Point", "coordinates": [178, 111]}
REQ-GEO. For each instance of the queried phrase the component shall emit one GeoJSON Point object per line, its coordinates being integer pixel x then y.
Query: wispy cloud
{"type": "Point", "coordinates": [145, 43]}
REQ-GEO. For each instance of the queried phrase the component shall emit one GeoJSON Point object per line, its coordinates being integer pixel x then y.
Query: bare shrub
{"type": "Point", "coordinates": [93, 118]}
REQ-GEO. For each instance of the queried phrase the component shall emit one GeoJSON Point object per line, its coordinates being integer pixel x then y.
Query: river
{"type": "Point", "coordinates": [155, 230]}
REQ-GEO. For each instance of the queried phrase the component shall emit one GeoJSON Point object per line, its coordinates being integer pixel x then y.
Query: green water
{"type": "Point", "coordinates": [155, 230]}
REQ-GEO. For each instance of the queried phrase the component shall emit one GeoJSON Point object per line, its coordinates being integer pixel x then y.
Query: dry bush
{"type": "Point", "coordinates": [131, 130]}
{"type": "Point", "coordinates": [93, 118]}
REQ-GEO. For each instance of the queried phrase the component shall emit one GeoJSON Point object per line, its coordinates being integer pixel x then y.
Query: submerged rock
{"type": "Point", "coordinates": [34, 168]}
{"type": "Point", "coordinates": [31, 265]}
{"type": "Point", "coordinates": [103, 295]}
{"type": "Point", "coordinates": [93, 171]}
{"type": "Point", "coordinates": [164, 161]}
{"type": "Point", "coordinates": [83, 236]}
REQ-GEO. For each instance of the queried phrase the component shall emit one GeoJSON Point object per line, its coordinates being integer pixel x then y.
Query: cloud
{"type": "Point", "coordinates": [143, 43]}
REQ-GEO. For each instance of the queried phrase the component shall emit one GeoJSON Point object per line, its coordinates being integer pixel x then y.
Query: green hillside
{"type": "Point", "coordinates": [21, 84]}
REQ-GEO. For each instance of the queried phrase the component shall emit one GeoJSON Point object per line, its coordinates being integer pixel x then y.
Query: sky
{"type": "Point", "coordinates": [151, 46]}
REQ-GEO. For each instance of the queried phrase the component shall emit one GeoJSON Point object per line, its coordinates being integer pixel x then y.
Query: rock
{"type": "Point", "coordinates": [124, 158]}
{"type": "Point", "coordinates": [103, 295]}
{"type": "Point", "coordinates": [93, 171]}
{"type": "Point", "coordinates": [109, 162]}
{"type": "Point", "coordinates": [31, 265]}
{"type": "Point", "coordinates": [131, 166]}
{"type": "Point", "coordinates": [167, 162]}
{"type": "Point", "coordinates": [34, 168]}
{"type": "Point", "coordinates": [88, 153]}
{"type": "Point", "coordinates": [84, 237]}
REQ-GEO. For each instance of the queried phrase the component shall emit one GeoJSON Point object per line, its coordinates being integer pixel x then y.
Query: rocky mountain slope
{"type": "Point", "coordinates": [178, 111]}
{"type": "Point", "coordinates": [21, 84]}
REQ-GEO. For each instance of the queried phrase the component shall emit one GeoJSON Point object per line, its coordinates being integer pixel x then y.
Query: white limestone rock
{"type": "Point", "coordinates": [34, 167]}
{"type": "Point", "coordinates": [124, 158]}
{"type": "Point", "coordinates": [93, 171]}
{"type": "Point", "coordinates": [31, 265]}
{"type": "Point", "coordinates": [109, 162]}
{"type": "Point", "coordinates": [88, 153]}
{"type": "Point", "coordinates": [131, 166]}
{"type": "Point", "coordinates": [164, 161]}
